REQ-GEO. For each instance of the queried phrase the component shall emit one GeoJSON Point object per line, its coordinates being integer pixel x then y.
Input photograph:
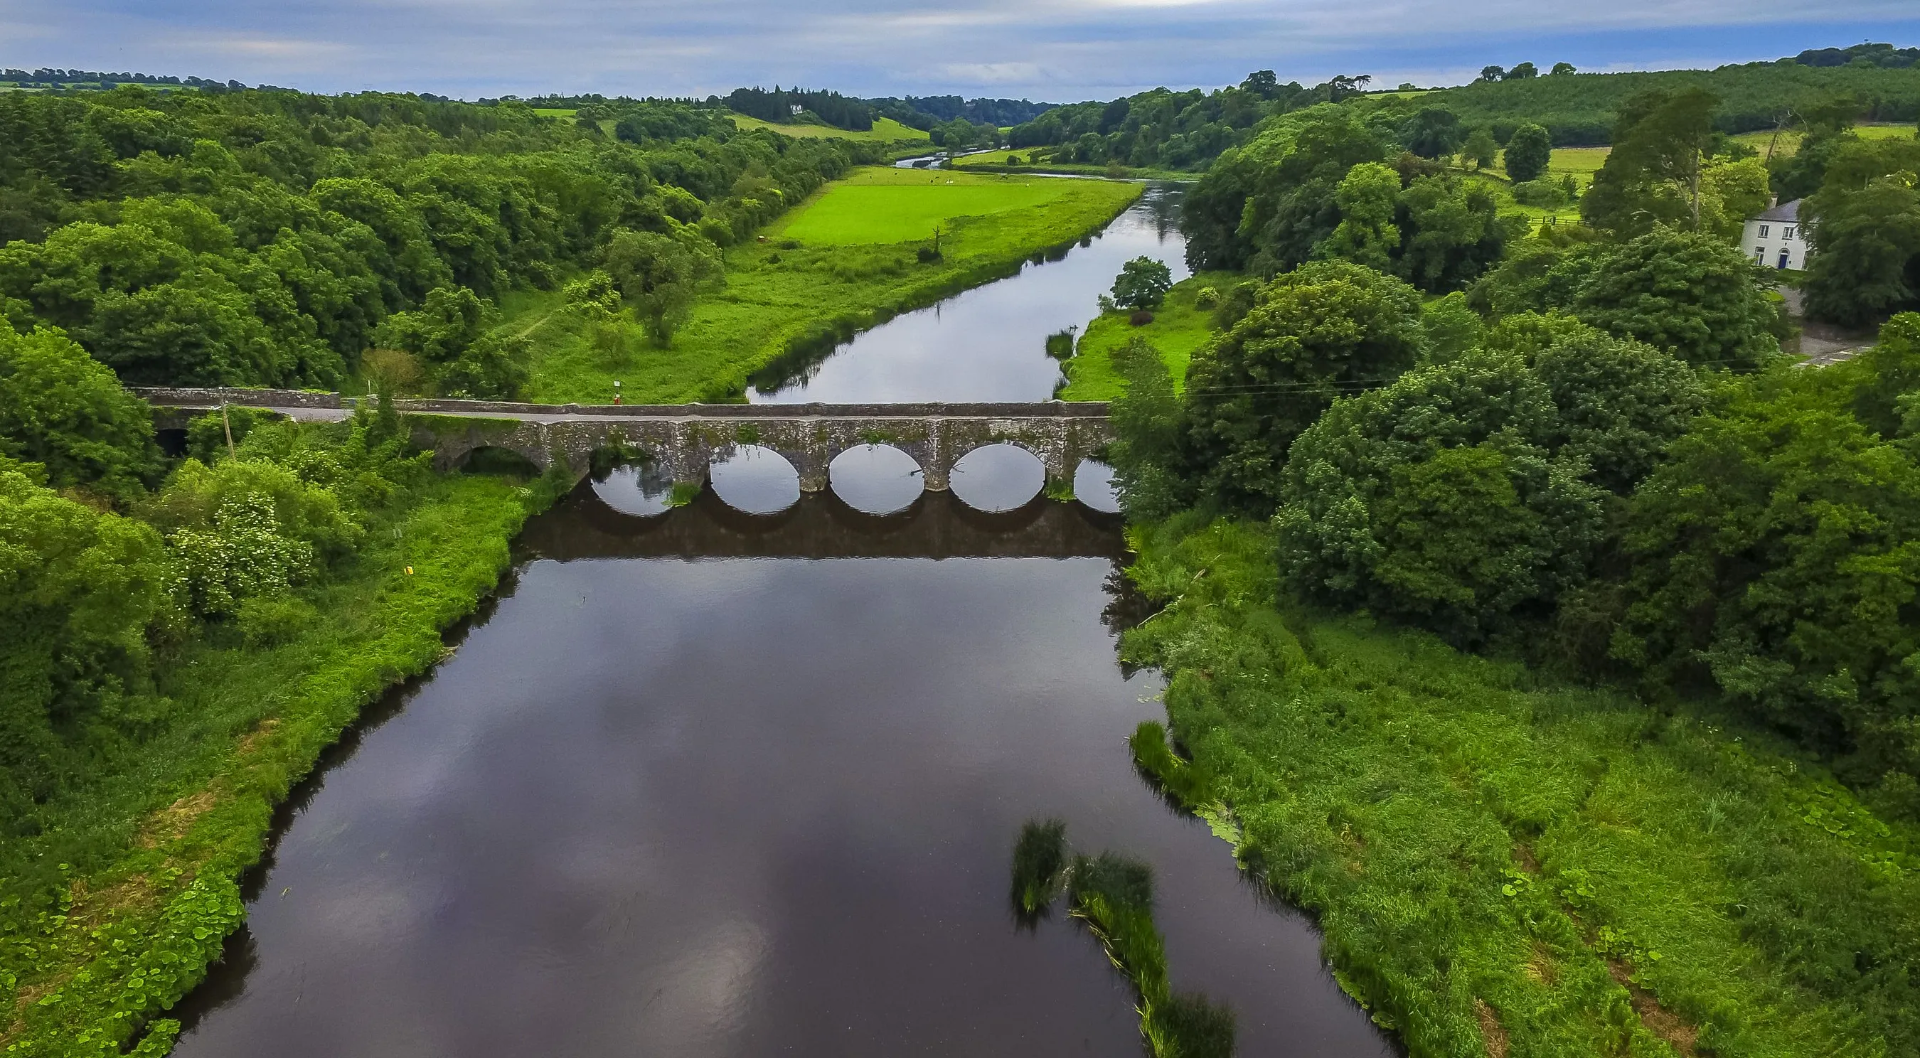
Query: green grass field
{"type": "Point", "coordinates": [885, 130]}
{"type": "Point", "coordinates": [1177, 330]}
{"type": "Point", "coordinates": [1502, 862]}
{"type": "Point", "coordinates": [996, 162]}
{"type": "Point", "coordinates": [900, 205]}
{"type": "Point", "coordinates": [1789, 141]}
{"type": "Point", "coordinates": [812, 282]}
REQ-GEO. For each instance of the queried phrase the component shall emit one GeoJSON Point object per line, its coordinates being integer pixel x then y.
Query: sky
{"type": "Point", "coordinates": [1053, 50]}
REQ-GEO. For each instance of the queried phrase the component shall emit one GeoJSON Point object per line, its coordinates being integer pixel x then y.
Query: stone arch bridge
{"type": "Point", "coordinates": [682, 440]}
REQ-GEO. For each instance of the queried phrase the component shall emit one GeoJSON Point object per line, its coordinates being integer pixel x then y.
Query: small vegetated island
{"type": "Point", "coordinates": [1530, 616]}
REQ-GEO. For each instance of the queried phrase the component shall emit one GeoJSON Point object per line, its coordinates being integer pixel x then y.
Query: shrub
{"type": "Point", "coordinates": [1140, 317]}
{"type": "Point", "coordinates": [1206, 298]}
{"type": "Point", "coordinates": [1542, 193]}
{"type": "Point", "coordinates": [1039, 865]}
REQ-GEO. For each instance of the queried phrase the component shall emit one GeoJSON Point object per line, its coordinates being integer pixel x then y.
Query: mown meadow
{"type": "Point", "coordinates": [878, 243]}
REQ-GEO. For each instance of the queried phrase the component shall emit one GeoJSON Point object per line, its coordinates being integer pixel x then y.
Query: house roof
{"type": "Point", "coordinates": [1783, 211]}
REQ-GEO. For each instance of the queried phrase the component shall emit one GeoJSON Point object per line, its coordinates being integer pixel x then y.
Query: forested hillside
{"type": "Point", "coordinates": [1579, 109]}
{"type": "Point", "coordinates": [268, 238]}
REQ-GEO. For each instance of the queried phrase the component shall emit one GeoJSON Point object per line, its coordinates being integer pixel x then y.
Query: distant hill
{"type": "Point", "coordinates": [1578, 109]}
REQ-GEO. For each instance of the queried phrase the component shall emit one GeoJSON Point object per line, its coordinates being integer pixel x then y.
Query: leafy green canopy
{"type": "Point", "coordinates": [1316, 333]}
{"type": "Point", "coordinates": [1688, 293]}
{"type": "Point", "coordinates": [63, 410]}
{"type": "Point", "coordinates": [1315, 186]}
{"type": "Point", "coordinates": [1468, 493]}
{"type": "Point", "coordinates": [1777, 554]}
{"type": "Point", "coordinates": [261, 238]}
{"type": "Point", "coordinates": [1865, 226]}
{"type": "Point", "coordinates": [1142, 284]}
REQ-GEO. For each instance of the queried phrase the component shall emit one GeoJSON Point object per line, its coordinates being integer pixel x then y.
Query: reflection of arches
{"type": "Point", "coordinates": [493, 459]}
{"type": "Point", "coordinates": [754, 479]}
{"type": "Point", "coordinates": [876, 479]}
{"type": "Point", "coordinates": [1001, 479]}
{"type": "Point", "coordinates": [1093, 487]}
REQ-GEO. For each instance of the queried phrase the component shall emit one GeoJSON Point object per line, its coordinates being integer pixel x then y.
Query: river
{"type": "Point", "coordinates": [989, 343]}
{"type": "Point", "coordinates": [710, 782]}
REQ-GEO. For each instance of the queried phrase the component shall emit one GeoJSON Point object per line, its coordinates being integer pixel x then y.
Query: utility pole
{"type": "Point", "coordinates": [228, 424]}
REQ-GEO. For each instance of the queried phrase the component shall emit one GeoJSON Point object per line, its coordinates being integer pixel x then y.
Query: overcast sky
{"type": "Point", "coordinates": [1058, 50]}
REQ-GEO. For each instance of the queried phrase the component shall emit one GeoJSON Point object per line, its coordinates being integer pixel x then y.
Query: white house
{"type": "Point", "coordinates": [1777, 238]}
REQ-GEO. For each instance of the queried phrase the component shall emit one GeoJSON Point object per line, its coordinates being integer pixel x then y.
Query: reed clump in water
{"type": "Point", "coordinates": [1039, 868]}
{"type": "Point", "coordinates": [1113, 895]}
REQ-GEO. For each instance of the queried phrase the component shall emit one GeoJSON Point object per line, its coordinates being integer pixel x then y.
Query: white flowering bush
{"type": "Point", "coordinates": [242, 556]}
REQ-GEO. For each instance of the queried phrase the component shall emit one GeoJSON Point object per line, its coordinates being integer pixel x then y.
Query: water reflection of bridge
{"type": "Point", "coordinates": [821, 525]}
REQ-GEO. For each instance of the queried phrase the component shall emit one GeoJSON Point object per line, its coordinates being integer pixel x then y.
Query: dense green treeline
{"type": "Point", "coordinates": [262, 238]}
{"type": "Point", "coordinates": [1580, 109]}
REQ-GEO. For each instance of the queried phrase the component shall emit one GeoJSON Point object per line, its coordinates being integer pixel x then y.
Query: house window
{"type": "Point", "coordinates": [1763, 231]}
{"type": "Point", "coordinates": [1759, 255]}
{"type": "Point", "coordinates": [1783, 257]}
{"type": "Point", "coordinates": [1788, 234]}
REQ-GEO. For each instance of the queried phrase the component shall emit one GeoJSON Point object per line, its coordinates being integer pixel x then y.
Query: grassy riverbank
{"type": "Point", "coordinates": [1179, 328]}
{"type": "Point", "coordinates": [127, 884]}
{"type": "Point", "coordinates": [1506, 864]}
{"type": "Point", "coordinates": [847, 259]}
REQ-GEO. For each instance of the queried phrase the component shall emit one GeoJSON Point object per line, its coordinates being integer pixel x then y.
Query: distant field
{"type": "Point", "coordinates": [1789, 141]}
{"type": "Point", "coordinates": [900, 205]}
{"type": "Point", "coordinates": [855, 265]}
{"type": "Point", "coordinates": [555, 112]}
{"type": "Point", "coordinates": [885, 130]}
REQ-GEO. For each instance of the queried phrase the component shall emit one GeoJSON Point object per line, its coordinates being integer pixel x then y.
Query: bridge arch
{"type": "Point", "coordinates": [754, 479]}
{"type": "Point", "coordinates": [876, 478]}
{"type": "Point", "coordinates": [997, 477]}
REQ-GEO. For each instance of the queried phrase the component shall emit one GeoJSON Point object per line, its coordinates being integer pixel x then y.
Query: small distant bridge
{"type": "Point", "coordinates": [681, 441]}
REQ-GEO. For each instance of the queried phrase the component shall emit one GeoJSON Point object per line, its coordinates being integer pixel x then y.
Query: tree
{"type": "Point", "coordinates": [658, 276]}
{"type": "Point", "coordinates": [65, 411]}
{"type": "Point", "coordinates": [1521, 72]}
{"type": "Point", "coordinates": [1142, 284]}
{"type": "Point", "coordinates": [1562, 68]}
{"type": "Point", "coordinates": [1685, 292]}
{"type": "Point", "coordinates": [1774, 552]}
{"type": "Point", "coordinates": [1652, 175]}
{"type": "Point", "coordinates": [1147, 422]}
{"type": "Point", "coordinates": [1262, 83]}
{"type": "Point", "coordinates": [1366, 234]}
{"type": "Point", "coordinates": [1433, 132]}
{"type": "Point", "coordinates": [1621, 403]}
{"type": "Point", "coordinates": [1481, 150]}
{"type": "Point", "coordinates": [1452, 233]}
{"type": "Point", "coordinates": [1529, 151]}
{"type": "Point", "coordinates": [1865, 227]}
{"type": "Point", "coordinates": [1325, 329]}
{"type": "Point", "coordinates": [82, 593]}
{"type": "Point", "coordinates": [1492, 73]}
{"type": "Point", "coordinates": [1436, 499]}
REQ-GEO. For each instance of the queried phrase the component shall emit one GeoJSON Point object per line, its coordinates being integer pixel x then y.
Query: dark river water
{"type": "Point", "coordinates": [989, 343]}
{"type": "Point", "coordinates": [710, 782]}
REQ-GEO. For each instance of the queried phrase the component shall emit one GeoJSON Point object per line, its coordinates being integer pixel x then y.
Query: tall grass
{"type": "Point", "coordinates": [1500, 860]}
